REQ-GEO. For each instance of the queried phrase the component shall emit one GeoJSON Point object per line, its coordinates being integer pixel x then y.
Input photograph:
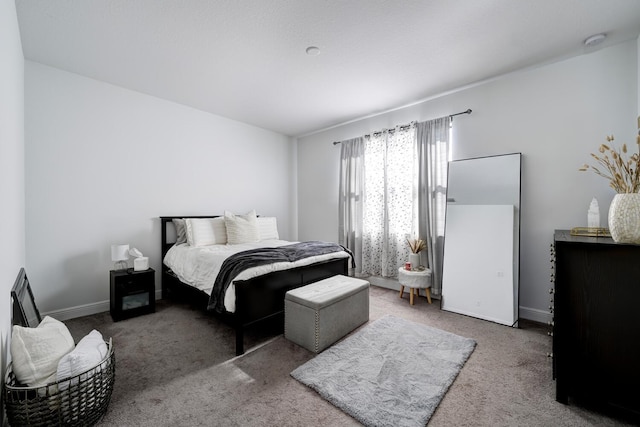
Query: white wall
{"type": "Point", "coordinates": [555, 115]}
{"type": "Point", "coordinates": [103, 162]}
{"type": "Point", "coordinates": [12, 223]}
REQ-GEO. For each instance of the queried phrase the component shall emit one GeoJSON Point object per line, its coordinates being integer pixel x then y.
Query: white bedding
{"type": "Point", "coordinates": [199, 266]}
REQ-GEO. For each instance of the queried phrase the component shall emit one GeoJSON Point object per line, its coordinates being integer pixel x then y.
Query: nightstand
{"type": "Point", "coordinates": [132, 293]}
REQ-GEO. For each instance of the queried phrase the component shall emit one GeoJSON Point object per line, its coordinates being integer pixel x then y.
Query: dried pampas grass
{"type": "Point", "coordinates": [416, 245]}
{"type": "Point", "coordinates": [623, 173]}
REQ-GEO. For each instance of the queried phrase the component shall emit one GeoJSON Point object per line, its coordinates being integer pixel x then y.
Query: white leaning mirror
{"type": "Point", "coordinates": [480, 276]}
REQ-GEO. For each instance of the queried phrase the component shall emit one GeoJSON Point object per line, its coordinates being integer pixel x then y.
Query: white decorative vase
{"type": "Point", "coordinates": [414, 259]}
{"type": "Point", "coordinates": [624, 218]}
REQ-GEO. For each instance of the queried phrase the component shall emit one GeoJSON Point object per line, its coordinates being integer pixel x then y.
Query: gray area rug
{"type": "Point", "coordinates": [392, 372]}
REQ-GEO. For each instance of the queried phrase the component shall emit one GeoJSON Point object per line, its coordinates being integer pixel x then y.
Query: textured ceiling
{"type": "Point", "coordinates": [245, 59]}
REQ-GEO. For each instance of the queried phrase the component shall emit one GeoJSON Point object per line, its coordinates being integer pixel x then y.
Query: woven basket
{"type": "Point", "coordinates": [76, 401]}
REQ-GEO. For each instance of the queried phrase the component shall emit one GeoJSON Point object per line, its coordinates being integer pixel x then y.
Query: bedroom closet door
{"type": "Point", "coordinates": [480, 275]}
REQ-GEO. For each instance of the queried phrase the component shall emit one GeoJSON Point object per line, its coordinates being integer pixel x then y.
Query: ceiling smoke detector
{"type": "Point", "coordinates": [313, 51]}
{"type": "Point", "coordinates": [594, 40]}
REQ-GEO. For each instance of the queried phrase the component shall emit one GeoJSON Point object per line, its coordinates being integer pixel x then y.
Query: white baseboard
{"type": "Point", "coordinates": [78, 311]}
{"type": "Point", "coordinates": [383, 282]}
{"type": "Point", "coordinates": [535, 314]}
{"type": "Point", "coordinates": [84, 310]}
{"type": "Point", "coordinates": [527, 313]}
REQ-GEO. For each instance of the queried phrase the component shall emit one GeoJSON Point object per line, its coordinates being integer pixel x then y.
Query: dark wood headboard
{"type": "Point", "coordinates": [167, 221]}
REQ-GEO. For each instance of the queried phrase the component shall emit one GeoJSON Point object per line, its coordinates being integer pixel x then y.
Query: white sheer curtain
{"type": "Point", "coordinates": [351, 198]}
{"type": "Point", "coordinates": [389, 205]}
{"type": "Point", "coordinates": [393, 187]}
{"type": "Point", "coordinates": [433, 148]}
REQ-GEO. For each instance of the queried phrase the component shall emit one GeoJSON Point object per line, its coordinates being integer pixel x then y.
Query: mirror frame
{"type": "Point", "coordinates": [25, 311]}
{"type": "Point", "coordinates": [517, 233]}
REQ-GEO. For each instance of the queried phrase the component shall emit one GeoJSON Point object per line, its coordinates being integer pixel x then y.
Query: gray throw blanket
{"type": "Point", "coordinates": [241, 261]}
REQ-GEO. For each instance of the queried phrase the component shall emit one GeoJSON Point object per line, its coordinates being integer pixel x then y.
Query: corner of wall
{"type": "Point", "coordinates": [12, 169]}
{"type": "Point", "coordinates": [293, 229]}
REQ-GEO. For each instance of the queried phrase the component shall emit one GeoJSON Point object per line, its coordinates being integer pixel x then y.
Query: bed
{"type": "Point", "coordinates": [257, 294]}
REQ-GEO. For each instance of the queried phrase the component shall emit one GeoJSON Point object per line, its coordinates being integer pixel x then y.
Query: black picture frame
{"type": "Point", "coordinates": [25, 311]}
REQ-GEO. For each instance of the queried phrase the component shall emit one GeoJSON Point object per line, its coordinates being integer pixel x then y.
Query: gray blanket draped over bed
{"type": "Point", "coordinates": [241, 261]}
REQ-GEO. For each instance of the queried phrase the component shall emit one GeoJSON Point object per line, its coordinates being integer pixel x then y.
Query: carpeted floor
{"type": "Point", "coordinates": [177, 367]}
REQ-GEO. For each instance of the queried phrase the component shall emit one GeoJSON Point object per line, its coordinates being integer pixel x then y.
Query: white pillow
{"type": "Point", "coordinates": [267, 228]}
{"type": "Point", "coordinates": [205, 231]}
{"type": "Point", "coordinates": [241, 228]}
{"type": "Point", "coordinates": [89, 352]}
{"type": "Point", "coordinates": [37, 351]}
{"type": "Point", "coordinates": [181, 233]}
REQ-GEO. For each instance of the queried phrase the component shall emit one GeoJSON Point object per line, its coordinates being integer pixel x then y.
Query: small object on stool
{"type": "Point", "coordinates": [415, 280]}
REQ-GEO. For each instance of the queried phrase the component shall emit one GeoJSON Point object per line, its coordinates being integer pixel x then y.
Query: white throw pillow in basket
{"type": "Point", "coordinates": [36, 351]}
{"type": "Point", "coordinates": [89, 352]}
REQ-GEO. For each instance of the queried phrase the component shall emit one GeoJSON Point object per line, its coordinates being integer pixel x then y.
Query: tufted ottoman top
{"type": "Point", "coordinates": [326, 292]}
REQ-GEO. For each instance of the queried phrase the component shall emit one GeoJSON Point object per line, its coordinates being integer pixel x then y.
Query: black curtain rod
{"type": "Point", "coordinates": [468, 111]}
{"type": "Point", "coordinates": [464, 112]}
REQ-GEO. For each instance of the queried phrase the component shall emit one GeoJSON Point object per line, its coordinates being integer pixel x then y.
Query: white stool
{"type": "Point", "coordinates": [415, 280]}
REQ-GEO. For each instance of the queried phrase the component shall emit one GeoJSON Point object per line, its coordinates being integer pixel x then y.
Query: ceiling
{"type": "Point", "coordinates": [246, 60]}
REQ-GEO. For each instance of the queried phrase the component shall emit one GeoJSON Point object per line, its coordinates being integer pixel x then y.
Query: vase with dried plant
{"type": "Point", "coordinates": [622, 170]}
{"type": "Point", "coordinates": [416, 246]}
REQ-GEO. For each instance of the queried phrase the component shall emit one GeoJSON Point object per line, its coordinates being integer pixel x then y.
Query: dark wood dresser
{"type": "Point", "coordinates": [596, 323]}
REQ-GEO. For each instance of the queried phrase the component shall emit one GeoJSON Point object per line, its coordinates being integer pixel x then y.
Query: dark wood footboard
{"type": "Point", "coordinates": [257, 299]}
{"type": "Point", "coordinates": [262, 297]}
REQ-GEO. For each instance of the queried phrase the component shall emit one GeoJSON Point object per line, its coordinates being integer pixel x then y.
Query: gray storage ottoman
{"type": "Point", "coordinates": [319, 314]}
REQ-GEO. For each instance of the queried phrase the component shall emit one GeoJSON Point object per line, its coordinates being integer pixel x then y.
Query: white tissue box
{"type": "Point", "coordinates": [141, 263]}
